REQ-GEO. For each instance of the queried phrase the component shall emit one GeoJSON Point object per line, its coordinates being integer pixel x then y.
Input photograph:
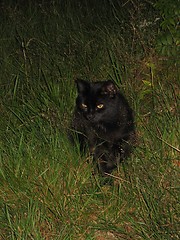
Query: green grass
{"type": "Point", "coordinates": [47, 189]}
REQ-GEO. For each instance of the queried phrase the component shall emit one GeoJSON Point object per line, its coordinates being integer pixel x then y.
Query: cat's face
{"type": "Point", "coordinates": [97, 101]}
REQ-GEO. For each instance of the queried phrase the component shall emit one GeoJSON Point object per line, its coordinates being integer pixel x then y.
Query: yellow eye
{"type": "Point", "coordinates": [100, 106]}
{"type": "Point", "coordinates": [83, 105]}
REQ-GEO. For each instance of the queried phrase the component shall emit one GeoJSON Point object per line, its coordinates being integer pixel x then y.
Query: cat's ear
{"type": "Point", "coordinates": [82, 85]}
{"type": "Point", "coordinates": [109, 88]}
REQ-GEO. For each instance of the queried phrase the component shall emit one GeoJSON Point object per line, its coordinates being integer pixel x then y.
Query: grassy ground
{"type": "Point", "coordinates": [47, 190]}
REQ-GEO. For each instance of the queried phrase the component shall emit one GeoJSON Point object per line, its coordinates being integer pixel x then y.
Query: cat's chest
{"type": "Point", "coordinates": [101, 133]}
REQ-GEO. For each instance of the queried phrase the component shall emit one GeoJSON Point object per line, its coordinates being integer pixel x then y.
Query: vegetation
{"type": "Point", "coordinates": [47, 189]}
{"type": "Point", "coordinates": [168, 39]}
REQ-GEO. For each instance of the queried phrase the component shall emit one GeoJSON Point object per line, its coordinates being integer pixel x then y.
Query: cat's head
{"type": "Point", "coordinates": [97, 100]}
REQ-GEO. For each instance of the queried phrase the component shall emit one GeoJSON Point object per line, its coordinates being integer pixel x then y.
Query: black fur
{"type": "Point", "coordinates": [103, 120]}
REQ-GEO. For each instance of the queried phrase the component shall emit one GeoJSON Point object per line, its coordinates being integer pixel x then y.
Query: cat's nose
{"type": "Point", "coordinates": [90, 117]}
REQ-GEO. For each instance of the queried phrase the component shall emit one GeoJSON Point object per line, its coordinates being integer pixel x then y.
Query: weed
{"type": "Point", "coordinates": [47, 189]}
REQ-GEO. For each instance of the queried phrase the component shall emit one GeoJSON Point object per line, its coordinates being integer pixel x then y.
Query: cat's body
{"type": "Point", "coordinates": [104, 122]}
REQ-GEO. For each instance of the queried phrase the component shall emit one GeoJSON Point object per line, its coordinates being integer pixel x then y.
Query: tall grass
{"type": "Point", "coordinates": [47, 188]}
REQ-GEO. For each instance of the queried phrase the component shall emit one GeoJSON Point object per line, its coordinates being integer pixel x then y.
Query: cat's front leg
{"type": "Point", "coordinates": [104, 159]}
{"type": "Point", "coordinates": [122, 151]}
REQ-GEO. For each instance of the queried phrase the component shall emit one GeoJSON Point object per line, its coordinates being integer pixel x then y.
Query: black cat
{"type": "Point", "coordinates": [103, 120]}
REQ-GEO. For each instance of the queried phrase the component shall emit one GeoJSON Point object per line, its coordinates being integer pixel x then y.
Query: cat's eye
{"type": "Point", "coordinates": [100, 106]}
{"type": "Point", "coordinates": [84, 106]}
